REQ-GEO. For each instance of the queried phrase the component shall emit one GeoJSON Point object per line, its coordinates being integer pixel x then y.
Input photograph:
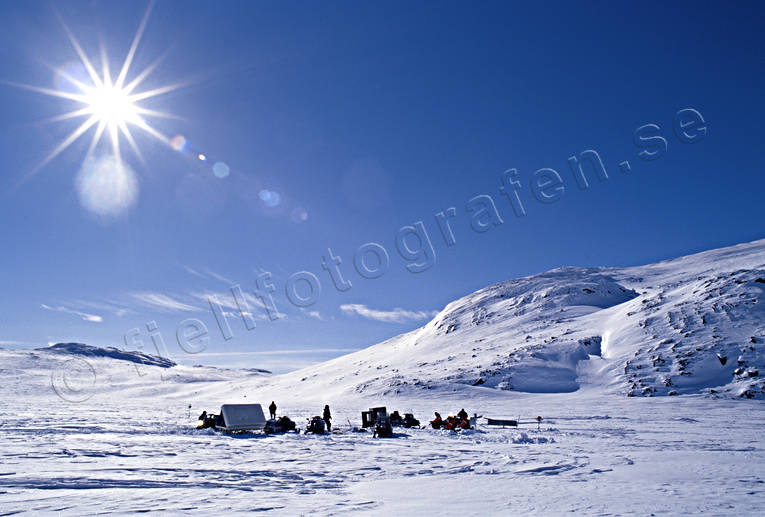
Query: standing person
{"type": "Point", "coordinates": [272, 410]}
{"type": "Point", "coordinates": [328, 418]}
{"type": "Point", "coordinates": [462, 415]}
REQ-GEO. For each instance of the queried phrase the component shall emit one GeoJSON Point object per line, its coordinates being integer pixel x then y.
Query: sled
{"type": "Point", "coordinates": [500, 422]}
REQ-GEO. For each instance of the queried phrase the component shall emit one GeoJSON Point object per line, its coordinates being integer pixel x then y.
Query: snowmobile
{"type": "Point", "coordinates": [279, 425]}
{"type": "Point", "coordinates": [410, 421]}
{"type": "Point", "coordinates": [407, 421]}
{"type": "Point", "coordinates": [316, 425]}
{"type": "Point", "coordinates": [207, 420]}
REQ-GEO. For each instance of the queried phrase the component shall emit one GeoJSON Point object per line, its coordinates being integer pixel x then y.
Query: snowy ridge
{"type": "Point", "coordinates": [74, 374]}
{"type": "Point", "coordinates": [80, 349]}
{"type": "Point", "coordinates": [694, 324]}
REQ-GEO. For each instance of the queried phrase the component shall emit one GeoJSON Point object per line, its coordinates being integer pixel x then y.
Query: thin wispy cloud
{"type": "Point", "coordinates": [208, 274]}
{"type": "Point", "coordinates": [227, 300]}
{"type": "Point", "coordinates": [222, 278]}
{"type": "Point", "coordinates": [99, 305]}
{"type": "Point", "coordinates": [164, 302]}
{"type": "Point", "coordinates": [93, 318]}
{"type": "Point", "coordinates": [396, 315]}
{"type": "Point", "coordinates": [193, 272]}
{"type": "Point", "coordinates": [315, 314]}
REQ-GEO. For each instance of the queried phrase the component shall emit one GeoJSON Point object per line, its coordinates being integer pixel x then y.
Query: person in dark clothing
{"type": "Point", "coordinates": [272, 409]}
{"type": "Point", "coordinates": [462, 415]}
{"type": "Point", "coordinates": [383, 428]}
{"type": "Point", "coordinates": [328, 418]}
{"type": "Point", "coordinates": [437, 422]}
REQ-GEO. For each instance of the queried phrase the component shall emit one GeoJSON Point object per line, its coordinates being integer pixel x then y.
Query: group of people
{"type": "Point", "coordinates": [461, 421]}
{"type": "Point", "coordinates": [383, 428]}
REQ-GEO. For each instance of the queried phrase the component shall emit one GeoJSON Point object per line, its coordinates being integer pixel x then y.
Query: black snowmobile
{"type": "Point", "coordinates": [396, 420]}
{"type": "Point", "coordinates": [410, 421]}
{"type": "Point", "coordinates": [316, 425]}
{"type": "Point", "coordinates": [279, 425]}
{"type": "Point", "coordinates": [407, 421]}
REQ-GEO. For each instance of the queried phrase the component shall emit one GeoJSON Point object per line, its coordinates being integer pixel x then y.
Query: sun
{"type": "Point", "coordinates": [109, 106]}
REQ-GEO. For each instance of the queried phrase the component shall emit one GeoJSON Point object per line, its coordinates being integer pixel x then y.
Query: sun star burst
{"type": "Point", "coordinates": [108, 106]}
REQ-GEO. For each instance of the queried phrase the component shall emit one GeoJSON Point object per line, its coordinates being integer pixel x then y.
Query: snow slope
{"type": "Point", "coordinates": [694, 324]}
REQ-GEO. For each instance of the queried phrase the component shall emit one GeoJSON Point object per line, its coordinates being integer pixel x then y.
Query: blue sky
{"type": "Point", "coordinates": [340, 124]}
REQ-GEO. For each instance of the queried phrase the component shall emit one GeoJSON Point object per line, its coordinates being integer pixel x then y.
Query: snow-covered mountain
{"type": "Point", "coordinates": [694, 324]}
{"type": "Point", "coordinates": [74, 372]}
{"type": "Point", "coordinates": [82, 350]}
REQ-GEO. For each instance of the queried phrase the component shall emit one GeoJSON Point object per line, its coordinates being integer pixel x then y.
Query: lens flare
{"type": "Point", "coordinates": [221, 170]}
{"type": "Point", "coordinates": [178, 143]}
{"type": "Point", "coordinates": [299, 215]}
{"type": "Point", "coordinates": [106, 186]}
{"type": "Point", "coordinates": [270, 198]}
